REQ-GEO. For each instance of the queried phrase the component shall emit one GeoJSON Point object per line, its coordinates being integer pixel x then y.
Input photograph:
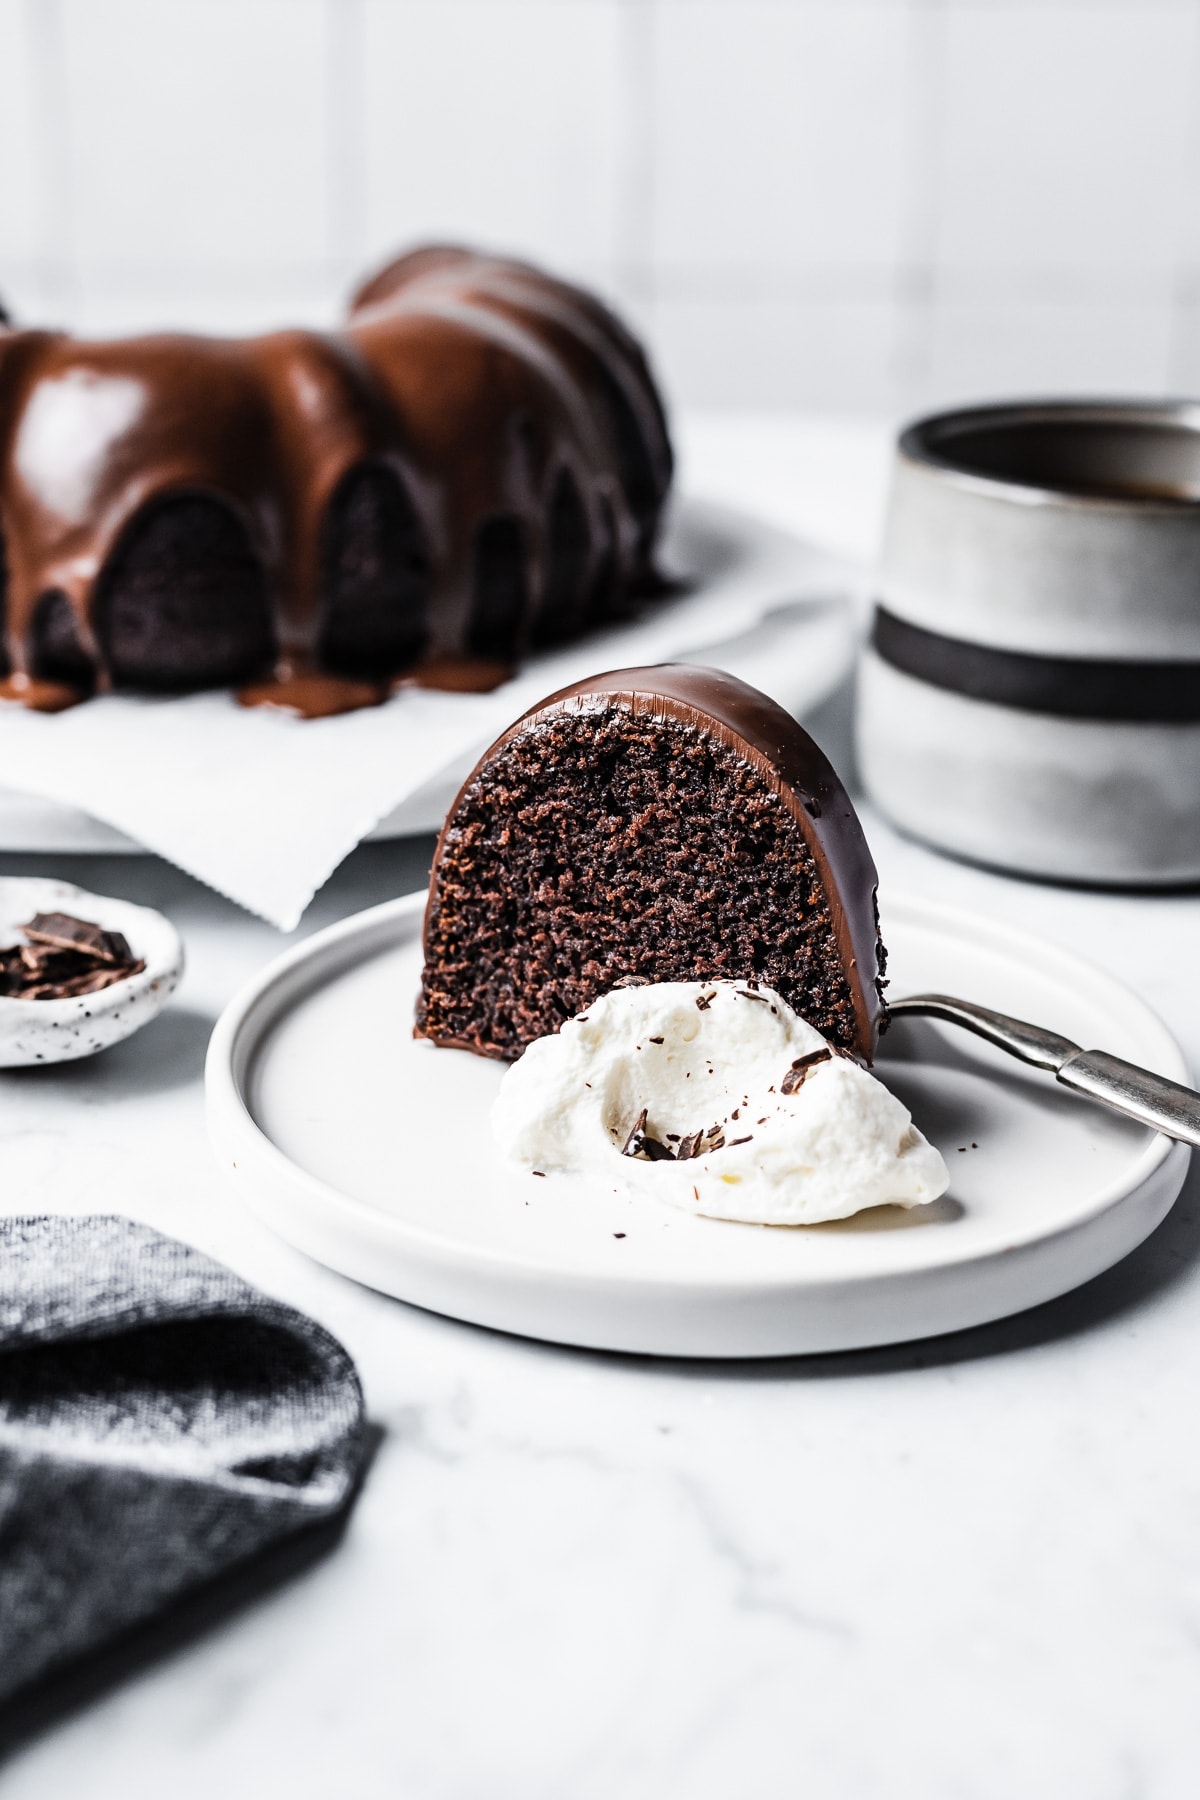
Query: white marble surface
{"type": "Point", "coordinates": [962, 1570]}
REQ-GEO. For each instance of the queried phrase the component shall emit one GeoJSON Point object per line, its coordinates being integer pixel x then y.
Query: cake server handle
{"type": "Point", "coordinates": [1165, 1106]}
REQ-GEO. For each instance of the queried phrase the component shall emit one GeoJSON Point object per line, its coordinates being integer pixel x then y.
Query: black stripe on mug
{"type": "Point", "coordinates": [1073, 687]}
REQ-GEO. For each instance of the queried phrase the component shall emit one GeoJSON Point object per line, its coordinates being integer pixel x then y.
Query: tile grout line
{"type": "Point", "coordinates": [56, 259]}
{"type": "Point", "coordinates": [345, 140]}
{"type": "Point", "coordinates": [1181, 285]}
{"type": "Point", "coordinates": [916, 276]}
{"type": "Point", "coordinates": [634, 248]}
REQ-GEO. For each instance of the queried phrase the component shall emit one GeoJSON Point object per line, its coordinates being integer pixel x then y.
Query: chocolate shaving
{"type": "Point", "coordinates": [656, 1040]}
{"type": "Point", "coordinates": [704, 1001]}
{"type": "Point", "coordinates": [749, 1139]}
{"type": "Point", "coordinates": [700, 1143]}
{"type": "Point", "coordinates": [64, 958]}
{"type": "Point", "coordinates": [747, 994]}
{"type": "Point", "coordinates": [800, 1070]}
{"type": "Point", "coordinates": [631, 1144]}
{"type": "Point", "coordinates": [640, 1143]}
{"type": "Point", "coordinates": [654, 1151]}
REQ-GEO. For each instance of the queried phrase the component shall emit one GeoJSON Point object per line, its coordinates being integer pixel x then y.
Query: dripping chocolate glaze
{"type": "Point", "coordinates": [478, 383]}
{"type": "Point", "coordinates": [789, 762]}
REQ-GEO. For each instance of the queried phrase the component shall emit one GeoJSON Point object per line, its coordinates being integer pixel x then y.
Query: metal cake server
{"type": "Point", "coordinates": [1152, 1100]}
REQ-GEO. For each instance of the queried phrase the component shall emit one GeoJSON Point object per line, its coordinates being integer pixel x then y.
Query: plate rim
{"type": "Point", "coordinates": [236, 1134]}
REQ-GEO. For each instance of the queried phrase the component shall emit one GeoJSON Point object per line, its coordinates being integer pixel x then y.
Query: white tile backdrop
{"type": "Point", "coordinates": [859, 205]}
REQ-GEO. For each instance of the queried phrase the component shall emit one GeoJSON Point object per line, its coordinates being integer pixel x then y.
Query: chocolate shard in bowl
{"type": "Point", "coordinates": [24, 964]}
{"type": "Point", "coordinates": [65, 957]}
{"type": "Point", "coordinates": [63, 932]}
{"type": "Point", "coordinates": [87, 981]}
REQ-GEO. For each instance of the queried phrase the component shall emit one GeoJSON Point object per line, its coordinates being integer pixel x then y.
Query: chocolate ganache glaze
{"type": "Point", "coordinates": [473, 466]}
{"type": "Point", "coordinates": [656, 824]}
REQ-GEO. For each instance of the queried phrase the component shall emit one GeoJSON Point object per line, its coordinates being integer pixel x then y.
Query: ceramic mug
{"type": "Point", "coordinates": [1030, 693]}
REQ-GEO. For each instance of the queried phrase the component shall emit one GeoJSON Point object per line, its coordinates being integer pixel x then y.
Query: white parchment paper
{"type": "Point", "coordinates": [263, 806]}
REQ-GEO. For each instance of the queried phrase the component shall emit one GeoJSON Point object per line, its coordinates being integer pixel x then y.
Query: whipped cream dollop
{"type": "Point", "coordinates": [718, 1098]}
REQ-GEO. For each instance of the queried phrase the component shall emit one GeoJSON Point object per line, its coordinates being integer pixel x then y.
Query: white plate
{"type": "Point", "coordinates": [372, 1152]}
{"type": "Point", "coordinates": [798, 653]}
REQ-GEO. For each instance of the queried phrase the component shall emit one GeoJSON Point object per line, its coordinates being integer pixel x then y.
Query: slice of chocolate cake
{"type": "Point", "coordinates": [661, 824]}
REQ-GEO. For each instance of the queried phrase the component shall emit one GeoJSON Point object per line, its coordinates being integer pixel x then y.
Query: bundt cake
{"type": "Point", "coordinates": [662, 824]}
{"type": "Point", "coordinates": [474, 465]}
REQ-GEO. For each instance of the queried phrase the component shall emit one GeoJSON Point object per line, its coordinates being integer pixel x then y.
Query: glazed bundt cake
{"type": "Point", "coordinates": [660, 824]}
{"type": "Point", "coordinates": [475, 465]}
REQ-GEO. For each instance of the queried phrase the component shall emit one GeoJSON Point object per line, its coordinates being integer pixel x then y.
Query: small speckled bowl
{"type": "Point", "coordinates": [50, 1031]}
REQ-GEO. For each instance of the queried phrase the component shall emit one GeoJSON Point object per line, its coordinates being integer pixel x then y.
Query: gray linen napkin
{"type": "Point", "coordinates": [160, 1423]}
